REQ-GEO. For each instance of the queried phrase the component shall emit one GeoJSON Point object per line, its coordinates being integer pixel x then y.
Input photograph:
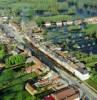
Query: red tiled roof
{"type": "Point", "coordinates": [69, 93]}
{"type": "Point", "coordinates": [49, 97]}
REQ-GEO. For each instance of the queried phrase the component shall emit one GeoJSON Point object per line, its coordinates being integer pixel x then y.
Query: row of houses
{"type": "Point", "coordinates": [92, 20]}
{"type": "Point", "coordinates": [67, 93]}
{"type": "Point", "coordinates": [74, 66]}
{"type": "Point", "coordinates": [53, 81]}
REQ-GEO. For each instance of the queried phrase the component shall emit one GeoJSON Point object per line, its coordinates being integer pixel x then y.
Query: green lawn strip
{"type": "Point", "coordinates": [92, 83]}
{"type": "Point", "coordinates": [90, 28]}
{"type": "Point", "coordinates": [73, 27]}
{"type": "Point", "coordinates": [91, 64]}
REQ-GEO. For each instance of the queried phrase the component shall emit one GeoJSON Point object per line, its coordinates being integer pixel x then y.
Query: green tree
{"type": "Point", "coordinates": [15, 60]}
{"type": "Point", "coordinates": [7, 76]}
{"type": "Point", "coordinates": [2, 51]}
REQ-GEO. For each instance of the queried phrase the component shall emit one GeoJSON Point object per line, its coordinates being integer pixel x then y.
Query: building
{"type": "Point", "coordinates": [47, 24]}
{"type": "Point", "coordinates": [77, 22]}
{"type": "Point", "coordinates": [75, 66]}
{"type": "Point", "coordinates": [3, 19]}
{"type": "Point", "coordinates": [64, 23]}
{"type": "Point", "coordinates": [67, 93]}
{"type": "Point", "coordinates": [59, 24]}
{"type": "Point", "coordinates": [82, 73]}
{"type": "Point", "coordinates": [69, 22]}
{"type": "Point", "coordinates": [37, 67]}
{"type": "Point", "coordinates": [92, 20]}
{"type": "Point", "coordinates": [30, 88]}
{"type": "Point", "coordinates": [49, 97]}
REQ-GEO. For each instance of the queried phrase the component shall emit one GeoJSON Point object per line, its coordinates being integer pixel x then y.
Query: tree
{"type": "Point", "coordinates": [2, 51]}
{"type": "Point", "coordinates": [7, 76]}
{"type": "Point", "coordinates": [2, 54]}
{"type": "Point", "coordinates": [15, 60]}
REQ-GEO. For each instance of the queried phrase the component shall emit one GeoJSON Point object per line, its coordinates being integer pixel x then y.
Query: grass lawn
{"type": "Point", "coordinates": [90, 28]}
{"type": "Point", "coordinates": [74, 27]}
{"type": "Point", "coordinates": [93, 81]}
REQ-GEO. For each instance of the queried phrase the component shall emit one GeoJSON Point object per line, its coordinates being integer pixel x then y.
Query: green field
{"type": "Point", "coordinates": [93, 81]}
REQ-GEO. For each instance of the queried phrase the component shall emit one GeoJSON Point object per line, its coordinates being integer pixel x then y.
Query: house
{"type": "Point", "coordinates": [75, 67]}
{"type": "Point", "coordinates": [77, 22]}
{"type": "Point", "coordinates": [82, 73]}
{"type": "Point", "coordinates": [34, 68]}
{"type": "Point", "coordinates": [67, 93]}
{"type": "Point", "coordinates": [64, 23]}
{"type": "Point", "coordinates": [5, 18]}
{"type": "Point", "coordinates": [92, 20]}
{"type": "Point", "coordinates": [20, 46]}
{"type": "Point", "coordinates": [47, 24]}
{"type": "Point", "coordinates": [16, 51]}
{"type": "Point", "coordinates": [59, 24]}
{"type": "Point", "coordinates": [29, 60]}
{"type": "Point", "coordinates": [69, 22]}
{"type": "Point", "coordinates": [30, 88]}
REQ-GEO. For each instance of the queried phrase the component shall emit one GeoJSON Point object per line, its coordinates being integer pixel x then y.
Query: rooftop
{"type": "Point", "coordinates": [69, 93]}
{"type": "Point", "coordinates": [83, 70]}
